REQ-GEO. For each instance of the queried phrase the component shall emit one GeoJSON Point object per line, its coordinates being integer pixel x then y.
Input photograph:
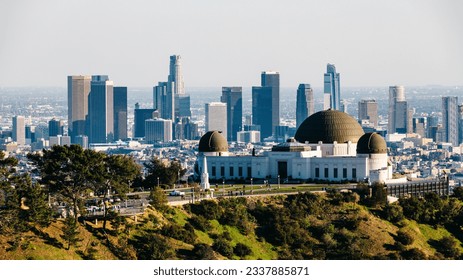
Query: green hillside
{"type": "Point", "coordinates": [301, 226]}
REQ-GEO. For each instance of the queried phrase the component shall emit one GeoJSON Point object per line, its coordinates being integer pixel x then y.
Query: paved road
{"type": "Point", "coordinates": [186, 201]}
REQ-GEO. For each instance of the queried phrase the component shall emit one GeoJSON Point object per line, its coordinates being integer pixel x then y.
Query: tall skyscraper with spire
{"type": "Point", "coordinates": [332, 87]}
{"type": "Point", "coordinates": [450, 119]}
{"type": "Point", "coordinates": [176, 88]}
{"type": "Point", "coordinates": [266, 103]}
{"type": "Point", "coordinates": [233, 96]}
{"type": "Point", "coordinates": [176, 75]}
{"type": "Point", "coordinates": [169, 98]}
{"type": "Point", "coordinates": [78, 91]}
{"type": "Point", "coordinates": [304, 103]}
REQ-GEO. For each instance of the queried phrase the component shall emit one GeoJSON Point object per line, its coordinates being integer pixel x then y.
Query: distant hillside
{"type": "Point", "coordinates": [302, 226]}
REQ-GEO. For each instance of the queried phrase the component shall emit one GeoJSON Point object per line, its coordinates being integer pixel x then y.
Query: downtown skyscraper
{"type": "Point", "coordinates": [304, 103]}
{"type": "Point", "coordinates": [266, 103]}
{"type": "Point", "coordinates": [55, 127]}
{"type": "Point", "coordinates": [368, 110]}
{"type": "Point", "coordinates": [19, 130]}
{"type": "Point", "coordinates": [78, 91]}
{"type": "Point", "coordinates": [399, 119]}
{"type": "Point", "coordinates": [140, 116]}
{"type": "Point", "coordinates": [233, 97]}
{"type": "Point", "coordinates": [216, 117]}
{"type": "Point", "coordinates": [450, 116]}
{"type": "Point", "coordinates": [101, 110]}
{"type": "Point", "coordinates": [169, 98]}
{"type": "Point", "coordinates": [332, 89]}
{"type": "Point", "coordinates": [120, 113]}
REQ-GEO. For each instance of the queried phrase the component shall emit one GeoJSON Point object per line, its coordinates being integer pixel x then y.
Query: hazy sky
{"type": "Point", "coordinates": [224, 43]}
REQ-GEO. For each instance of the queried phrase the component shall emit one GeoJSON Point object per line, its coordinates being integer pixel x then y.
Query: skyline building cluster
{"type": "Point", "coordinates": [96, 109]}
{"type": "Point", "coordinates": [97, 112]}
{"type": "Point", "coordinates": [172, 102]}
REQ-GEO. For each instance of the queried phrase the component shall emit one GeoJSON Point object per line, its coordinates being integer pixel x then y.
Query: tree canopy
{"type": "Point", "coordinates": [168, 174]}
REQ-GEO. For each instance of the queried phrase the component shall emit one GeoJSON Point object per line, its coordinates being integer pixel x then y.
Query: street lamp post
{"type": "Point", "coordinates": [252, 187]}
{"type": "Point", "coordinates": [278, 181]}
{"type": "Point", "coordinates": [223, 186]}
{"type": "Point", "coordinates": [158, 182]}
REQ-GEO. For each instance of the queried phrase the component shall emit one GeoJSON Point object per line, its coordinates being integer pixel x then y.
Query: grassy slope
{"type": "Point", "coordinates": [48, 245]}
{"type": "Point", "coordinates": [376, 237]}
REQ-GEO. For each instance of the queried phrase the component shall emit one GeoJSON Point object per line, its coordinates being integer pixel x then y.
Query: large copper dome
{"type": "Point", "coordinates": [371, 143]}
{"type": "Point", "coordinates": [213, 141]}
{"type": "Point", "coordinates": [329, 126]}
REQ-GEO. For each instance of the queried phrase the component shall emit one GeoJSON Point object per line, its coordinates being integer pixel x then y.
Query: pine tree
{"type": "Point", "coordinates": [71, 232]}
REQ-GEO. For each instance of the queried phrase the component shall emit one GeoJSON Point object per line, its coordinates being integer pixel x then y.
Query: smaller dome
{"type": "Point", "coordinates": [371, 143]}
{"type": "Point", "coordinates": [213, 141]}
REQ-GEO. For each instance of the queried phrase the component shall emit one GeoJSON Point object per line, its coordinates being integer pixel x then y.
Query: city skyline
{"type": "Point", "coordinates": [410, 42]}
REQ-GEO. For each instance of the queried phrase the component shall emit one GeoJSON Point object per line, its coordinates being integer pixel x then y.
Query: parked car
{"type": "Point", "coordinates": [176, 193]}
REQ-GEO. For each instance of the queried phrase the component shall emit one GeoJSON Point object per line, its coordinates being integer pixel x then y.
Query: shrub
{"type": "Point", "coordinates": [151, 246]}
{"type": "Point", "coordinates": [179, 233]}
{"type": "Point", "coordinates": [393, 213]}
{"type": "Point", "coordinates": [209, 209]}
{"type": "Point", "coordinates": [203, 251]}
{"type": "Point", "coordinates": [200, 223]}
{"type": "Point", "coordinates": [404, 237]}
{"type": "Point", "coordinates": [448, 246]}
{"type": "Point", "coordinates": [223, 247]}
{"type": "Point", "coordinates": [413, 254]}
{"type": "Point", "coordinates": [242, 250]}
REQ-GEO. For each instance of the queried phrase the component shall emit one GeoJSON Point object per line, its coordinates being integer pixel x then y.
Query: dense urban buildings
{"type": "Point", "coordinates": [305, 105]}
{"type": "Point", "coordinates": [216, 117]}
{"type": "Point", "coordinates": [185, 129]}
{"type": "Point", "coordinates": [233, 97]}
{"type": "Point", "coordinates": [420, 126]}
{"type": "Point", "coordinates": [332, 87]}
{"type": "Point", "coordinates": [266, 103]}
{"type": "Point", "coordinates": [450, 119]}
{"type": "Point", "coordinates": [151, 133]}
